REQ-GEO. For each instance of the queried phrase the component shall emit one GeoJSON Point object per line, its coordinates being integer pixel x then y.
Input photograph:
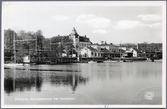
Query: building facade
{"type": "Point", "coordinates": [90, 52]}
{"type": "Point", "coordinates": [79, 42]}
{"type": "Point", "coordinates": [130, 52]}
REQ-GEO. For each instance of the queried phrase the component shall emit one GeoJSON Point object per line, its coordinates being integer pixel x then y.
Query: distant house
{"type": "Point", "coordinates": [104, 45]}
{"type": "Point", "coordinates": [26, 59]}
{"type": "Point", "coordinates": [114, 48]}
{"type": "Point", "coordinates": [123, 48]}
{"type": "Point", "coordinates": [130, 52]}
{"type": "Point", "coordinates": [106, 53]}
{"type": "Point", "coordinates": [89, 52]}
{"type": "Point", "coordinates": [95, 46]}
{"type": "Point", "coordinates": [64, 53]}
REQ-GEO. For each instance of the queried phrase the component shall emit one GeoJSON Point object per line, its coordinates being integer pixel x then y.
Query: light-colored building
{"type": "Point", "coordinates": [89, 52]}
{"type": "Point", "coordinates": [96, 46]}
{"type": "Point", "coordinates": [123, 48]}
{"type": "Point", "coordinates": [104, 45]}
{"type": "Point", "coordinates": [134, 52]}
{"type": "Point", "coordinates": [130, 52]}
{"type": "Point", "coordinates": [26, 59]}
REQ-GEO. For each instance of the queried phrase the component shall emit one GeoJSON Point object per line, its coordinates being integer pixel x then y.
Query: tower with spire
{"type": "Point", "coordinates": [78, 41]}
{"type": "Point", "coordinates": [75, 37]}
{"type": "Point", "coordinates": [74, 33]}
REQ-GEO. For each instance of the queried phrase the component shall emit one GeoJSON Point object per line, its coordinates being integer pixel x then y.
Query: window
{"type": "Point", "coordinates": [92, 53]}
{"type": "Point", "coordinates": [95, 54]}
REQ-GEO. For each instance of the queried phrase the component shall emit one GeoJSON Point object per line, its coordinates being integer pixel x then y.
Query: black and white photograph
{"type": "Point", "coordinates": [99, 54]}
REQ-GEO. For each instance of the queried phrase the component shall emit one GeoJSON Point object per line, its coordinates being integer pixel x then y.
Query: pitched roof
{"type": "Point", "coordinates": [92, 49]}
{"type": "Point", "coordinates": [122, 51]}
{"type": "Point", "coordinates": [83, 39]}
{"type": "Point", "coordinates": [137, 50]}
{"type": "Point", "coordinates": [104, 50]}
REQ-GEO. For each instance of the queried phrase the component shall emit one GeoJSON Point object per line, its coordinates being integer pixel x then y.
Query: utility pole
{"type": "Point", "coordinates": [61, 49]}
{"type": "Point", "coordinates": [36, 44]}
{"type": "Point", "coordinates": [120, 50]}
{"type": "Point", "coordinates": [50, 51]}
{"type": "Point", "coordinates": [78, 52]}
{"type": "Point", "coordinates": [14, 47]}
{"type": "Point", "coordinates": [71, 51]}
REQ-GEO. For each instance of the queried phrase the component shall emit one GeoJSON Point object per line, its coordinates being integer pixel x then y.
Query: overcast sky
{"type": "Point", "coordinates": [111, 23]}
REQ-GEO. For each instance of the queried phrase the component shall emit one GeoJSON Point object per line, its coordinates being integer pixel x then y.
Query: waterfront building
{"type": "Point", "coordinates": [114, 48]}
{"type": "Point", "coordinates": [130, 52]}
{"type": "Point", "coordinates": [105, 46]}
{"type": "Point", "coordinates": [109, 47]}
{"type": "Point", "coordinates": [109, 50]}
{"type": "Point", "coordinates": [89, 52]}
{"type": "Point", "coordinates": [106, 53]}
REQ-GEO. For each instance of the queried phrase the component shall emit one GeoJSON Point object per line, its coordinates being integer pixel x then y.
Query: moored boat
{"type": "Point", "coordinates": [99, 61]}
{"type": "Point", "coordinates": [92, 62]}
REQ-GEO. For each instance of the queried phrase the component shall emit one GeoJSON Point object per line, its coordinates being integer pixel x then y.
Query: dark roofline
{"type": "Point", "coordinates": [92, 49]}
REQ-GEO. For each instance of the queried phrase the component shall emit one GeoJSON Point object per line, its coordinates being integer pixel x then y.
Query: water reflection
{"type": "Point", "coordinates": [21, 81]}
{"type": "Point", "coordinates": [28, 81]}
{"type": "Point", "coordinates": [71, 79]}
{"type": "Point", "coordinates": [115, 83]}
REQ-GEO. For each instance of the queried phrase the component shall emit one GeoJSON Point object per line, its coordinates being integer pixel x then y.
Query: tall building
{"type": "Point", "coordinates": [79, 41]}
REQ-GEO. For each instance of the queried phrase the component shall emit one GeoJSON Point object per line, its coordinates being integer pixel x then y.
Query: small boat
{"type": "Point", "coordinates": [92, 62]}
{"type": "Point", "coordinates": [100, 61]}
{"type": "Point", "coordinates": [127, 61]}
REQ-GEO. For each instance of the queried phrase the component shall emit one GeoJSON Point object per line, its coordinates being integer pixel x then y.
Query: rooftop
{"type": "Point", "coordinates": [92, 49]}
{"type": "Point", "coordinates": [83, 39]}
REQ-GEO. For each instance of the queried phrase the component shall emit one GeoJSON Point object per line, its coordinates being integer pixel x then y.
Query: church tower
{"type": "Point", "coordinates": [74, 33]}
{"type": "Point", "coordinates": [75, 37]}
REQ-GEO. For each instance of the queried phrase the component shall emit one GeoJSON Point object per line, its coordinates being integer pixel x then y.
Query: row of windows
{"type": "Point", "coordinates": [84, 44]}
{"type": "Point", "coordinates": [96, 54]}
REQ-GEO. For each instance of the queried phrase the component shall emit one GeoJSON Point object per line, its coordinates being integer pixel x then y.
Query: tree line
{"type": "Point", "coordinates": [34, 44]}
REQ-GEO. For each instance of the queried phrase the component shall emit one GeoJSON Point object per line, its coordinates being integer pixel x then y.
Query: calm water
{"type": "Point", "coordinates": [82, 83]}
